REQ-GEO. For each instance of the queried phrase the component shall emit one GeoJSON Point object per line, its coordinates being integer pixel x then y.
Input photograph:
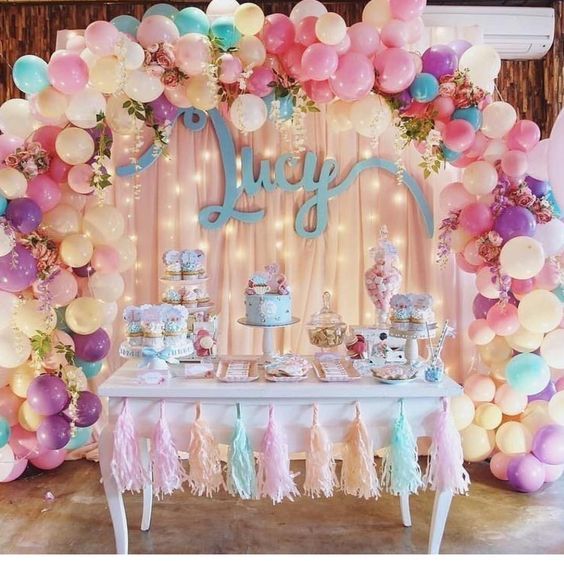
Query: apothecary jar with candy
{"type": "Point", "coordinates": [326, 328]}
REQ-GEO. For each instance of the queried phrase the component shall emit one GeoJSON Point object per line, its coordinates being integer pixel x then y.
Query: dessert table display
{"type": "Point", "coordinates": [266, 421]}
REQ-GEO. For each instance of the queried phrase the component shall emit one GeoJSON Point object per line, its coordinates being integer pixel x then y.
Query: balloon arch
{"type": "Point", "coordinates": [63, 248]}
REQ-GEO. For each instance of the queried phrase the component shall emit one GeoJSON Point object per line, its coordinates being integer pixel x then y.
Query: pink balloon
{"type": "Point", "coordinates": [67, 72]}
{"type": "Point", "coordinates": [395, 69]}
{"type": "Point", "coordinates": [230, 68]}
{"type": "Point", "coordinates": [464, 265]}
{"type": "Point", "coordinates": [101, 38]}
{"type": "Point", "coordinates": [364, 38]}
{"type": "Point", "coordinates": [514, 163]}
{"type": "Point", "coordinates": [407, 9]}
{"type": "Point", "coordinates": [478, 146]}
{"type": "Point", "coordinates": [503, 319]}
{"type": "Point", "coordinates": [471, 253]}
{"type": "Point", "coordinates": [17, 470]}
{"type": "Point", "coordinates": [79, 179]}
{"type": "Point", "coordinates": [454, 197]}
{"type": "Point", "coordinates": [319, 61]}
{"type": "Point", "coordinates": [415, 29]}
{"type": "Point", "coordinates": [552, 473]}
{"type": "Point", "coordinates": [105, 259]}
{"type": "Point", "coordinates": [8, 145]}
{"type": "Point", "coordinates": [524, 135]}
{"type": "Point", "coordinates": [49, 459]}
{"type": "Point", "coordinates": [305, 31]}
{"type": "Point", "coordinates": [44, 191]}
{"type": "Point", "coordinates": [320, 92]}
{"type": "Point", "coordinates": [157, 29]}
{"type": "Point", "coordinates": [258, 82]}
{"type": "Point", "coordinates": [443, 107]}
{"type": "Point", "coordinates": [499, 463]}
{"type": "Point", "coordinates": [524, 286]}
{"type": "Point", "coordinates": [46, 136]}
{"type": "Point", "coordinates": [23, 442]}
{"type": "Point", "coordinates": [292, 60]}
{"type": "Point", "coordinates": [462, 162]}
{"type": "Point", "coordinates": [62, 288]}
{"type": "Point", "coordinates": [344, 46]}
{"type": "Point", "coordinates": [476, 218]}
{"type": "Point", "coordinates": [548, 278]}
{"type": "Point", "coordinates": [58, 170]}
{"type": "Point", "coordinates": [354, 77]}
{"type": "Point", "coordinates": [9, 405]}
{"type": "Point", "coordinates": [560, 384]}
{"type": "Point", "coordinates": [458, 135]}
{"type": "Point", "coordinates": [395, 33]}
{"type": "Point", "coordinates": [537, 160]}
{"type": "Point", "coordinates": [278, 33]}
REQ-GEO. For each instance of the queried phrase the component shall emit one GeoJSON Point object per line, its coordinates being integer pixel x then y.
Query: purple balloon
{"type": "Point", "coordinates": [19, 271]}
{"type": "Point", "coordinates": [54, 432]}
{"type": "Point", "coordinates": [24, 214]}
{"type": "Point", "coordinates": [47, 394]}
{"type": "Point", "coordinates": [439, 60]}
{"type": "Point", "coordinates": [545, 394]}
{"type": "Point", "coordinates": [92, 347]}
{"type": "Point", "coordinates": [515, 221]}
{"type": "Point", "coordinates": [539, 188]}
{"type": "Point", "coordinates": [525, 474]}
{"type": "Point", "coordinates": [481, 306]}
{"type": "Point", "coordinates": [404, 98]}
{"type": "Point", "coordinates": [84, 271]}
{"type": "Point", "coordinates": [88, 409]}
{"type": "Point", "coordinates": [460, 46]}
{"type": "Point", "coordinates": [163, 110]}
{"type": "Point", "coordinates": [548, 444]}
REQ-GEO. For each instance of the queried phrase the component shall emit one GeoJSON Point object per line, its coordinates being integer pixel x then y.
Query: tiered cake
{"type": "Point", "coordinates": [267, 298]}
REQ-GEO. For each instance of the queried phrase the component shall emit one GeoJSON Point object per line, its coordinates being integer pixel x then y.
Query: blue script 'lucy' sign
{"type": "Point", "coordinates": [323, 184]}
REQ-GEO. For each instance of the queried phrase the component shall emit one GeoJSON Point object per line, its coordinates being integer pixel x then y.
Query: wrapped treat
{"type": "Point", "coordinates": [175, 327]}
{"type": "Point", "coordinates": [191, 264]}
{"type": "Point", "coordinates": [190, 298]}
{"type": "Point", "coordinates": [172, 296]}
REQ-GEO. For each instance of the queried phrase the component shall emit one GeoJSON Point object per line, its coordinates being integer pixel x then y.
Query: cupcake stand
{"type": "Point", "coordinates": [268, 350]}
{"type": "Point", "coordinates": [412, 338]}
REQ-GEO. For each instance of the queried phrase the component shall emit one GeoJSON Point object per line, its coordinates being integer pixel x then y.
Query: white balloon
{"type": "Point", "coordinates": [522, 258]}
{"type": "Point", "coordinates": [220, 8]}
{"type": "Point", "coordinates": [89, 57]}
{"type": "Point", "coordinates": [248, 112]}
{"type": "Point", "coordinates": [15, 348]}
{"type": "Point", "coordinates": [552, 348]}
{"type": "Point", "coordinates": [8, 303]}
{"type": "Point", "coordinates": [371, 115]}
{"type": "Point", "coordinates": [483, 64]}
{"type": "Point", "coordinates": [142, 87]}
{"type": "Point", "coordinates": [84, 106]}
{"type": "Point", "coordinates": [16, 118]}
{"type": "Point", "coordinates": [551, 236]}
{"type": "Point", "coordinates": [107, 287]}
{"type": "Point", "coordinates": [330, 28]}
{"type": "Point", "coordinates": [134, 56]}
{"type": "Point", "coordinates": [537, 160]}
{"type": "Point", "coordinates": [110, 310]}
{"type": "Point", "coordinates": [7, 461]}
{"type": "Point", "coordinates": [498, 119]}
{"type": "Point", "coordinates": [6, 243]}
{"type": "Point", "coordinates": [307, 8]}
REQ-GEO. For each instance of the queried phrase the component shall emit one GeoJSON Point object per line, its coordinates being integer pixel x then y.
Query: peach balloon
{"type": "Point", "coordinates": [479, 388]}
{"type": "Point", "coordinates": [74, 146]}
{"type": "Point", "coordinates": [488, 416]}
{"type": "Point", "coordinates": [480, 332]}
{"type": "Point", "coordinates": [503, 319]}
{"type": "Point", "coordinates": [157, 29]}
{"type": "Point", "coordinates": [496, 351]}
{"type": "Point", "coordinates": [20, 379]}
{"type": "Point", "coordinates": [536, 416]}
{"type": "Point", "coordinates": [477, 443]}
{"type": "Point", "coordinates": [524, 341]}
{"type": "Point", "coordinates": [498, 465]}
{"type": "Point", "coordinates": [462, 411]}
{"type": "Point", "coordinates": [79, 179]}
{"type": "Point", "coordinates": [76, 250]}
{"type": "Point", "coordinates": [510, 402]}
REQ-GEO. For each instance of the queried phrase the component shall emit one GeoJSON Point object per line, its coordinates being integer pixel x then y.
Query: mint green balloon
{"type": "Point", "coordinates": [527, 373]}
{"type": "Point", "coordinates": [5, 431]}
{"type": "Point", "coordinates": [126, 24]}
{"type": "Point", "coordinates": [81, 437]}
{"type": "Point", "coordinates": [165, 10]}
{"type": "Point", "coordinates": [90, 369]}
{"type": "Point", "coordinates": [192, 20]}
{"type": "Point", "coordinates": [559, 291]}
{"type": "Point", "coordinates": [30, 74]}
{"type": "Point", "coordinates": [223, 29]}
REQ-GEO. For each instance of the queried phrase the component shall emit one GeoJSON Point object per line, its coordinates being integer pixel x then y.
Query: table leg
{"type": "Point", "coordinates": [148, 489]}
{"type": "Point", "coordinates": [113, 496]}
{"type": "Point", "coordinates": [441, 507]}
{"type": "Point", "coordinates": [404, 508]}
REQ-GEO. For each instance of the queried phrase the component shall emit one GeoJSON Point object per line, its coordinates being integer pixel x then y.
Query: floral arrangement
{"type": "Point", "coordinates": [160, 63]}
{"type": "Point", "coordinates": [31, 160]}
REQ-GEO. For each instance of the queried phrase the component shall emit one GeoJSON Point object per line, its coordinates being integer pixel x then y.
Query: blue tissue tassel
{"type": "Point", "coordinates": [400, 470]}
{"type": "Point", "coordinates": [241, 475]}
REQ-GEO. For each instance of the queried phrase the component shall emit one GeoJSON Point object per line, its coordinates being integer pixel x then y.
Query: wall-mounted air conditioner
{"type": "Point", "coordinates": [516, 33]}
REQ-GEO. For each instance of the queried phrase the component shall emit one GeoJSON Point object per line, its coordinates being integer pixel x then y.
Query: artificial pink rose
{"type": "Point", "coordinates": [163, 60]}
{"type": "Point", "coordinates": [170, 79]}
{"type": "Point", "coordinates": [523, 196]}
{"type": "Point", "coordinates": [542, 211]}
{"type": "Point", "coordinates": [12, 160]}
{"type": "Point", "coordinates": [447, 89]}
{"type": "Point", "coordinates": [489, 252]}
{"type": "Point", "coordinates": [155, 70]}
{"type": "Point", "coordinates": [153, 48]}
{"type": "Point", "coordinates": [494, 238]}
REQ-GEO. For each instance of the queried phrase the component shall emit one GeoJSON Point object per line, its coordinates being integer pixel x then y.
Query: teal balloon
{"type": "Point", "coordinates": [450, 155]}
{"type": "Point", "coordinates": [559, 291]}
{"type": "Point", "coordinates": [126, 24]}
{"type": "Point", "coordinates": [61, 321]}
{"type": "Point", "coordinates": [165, 10]}
{"type": "Point", "coordinates": [3, 205]}
{"type": "Point", "coordinates": [90, 369]}
{"type": "Point", "coordinates": [527, 373]}
{"type": "Point", "coordinates": [30, 74]}
{"type": "Point", "coordinates": [192, 20]}
{"type": "Point", "coordinates": [5, 431]}
{"type": "Point", "coordinates": [81, 437]}
{"type": "Point", "coordinates": [225, 32]}
{"type": "Point", "coordinates": [556, 211]}
{"type": "Point", "coordinates": [424, 88]}
{"type": "Point", "coordinates": [470, 114]}
{"type": "Point", "coordinates": [286, 105]}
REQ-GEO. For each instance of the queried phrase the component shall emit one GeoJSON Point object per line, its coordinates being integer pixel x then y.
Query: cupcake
{"type": "Point", "coordinates": [201, 270]}
{"type": "Point", "coordinates": [400, 314]}
{"type": "Point", "coordinates": [202, 296]}
{"type": "Point", "coordinates": [153, 325]}
{"type": "Point", "coordinates": [173, 268]}
{"type": "Point", "coordinates": [190, 263]}
{"type": "Point", "coordinates": [190, 298]}
{"type": "Point", "coordinates": [422, 309]}
{"type": "Point", "coordinates": [175, 326]}
{"type": "Point", "coordinates": [171, 296]}
{"type": "Point", "coordinates": [133, 328]}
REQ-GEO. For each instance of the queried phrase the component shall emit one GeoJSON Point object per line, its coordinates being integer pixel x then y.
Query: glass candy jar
{"type": "Point", "coordinates": [326, 328]}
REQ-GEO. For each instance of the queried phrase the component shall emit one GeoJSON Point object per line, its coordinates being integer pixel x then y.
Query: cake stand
{"type": "Point", "coordinates": [128, 351]}
{"type": "Point", "coordinates": [411, 338]}
{"type": "Point", "coordinates": [267, 336]}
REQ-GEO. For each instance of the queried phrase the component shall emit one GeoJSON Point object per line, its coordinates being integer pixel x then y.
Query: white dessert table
{"type": "Point", "coordinates": [293, 403]}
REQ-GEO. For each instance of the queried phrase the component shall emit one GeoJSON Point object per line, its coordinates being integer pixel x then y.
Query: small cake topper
{"type": "Point", "coordinates": [272, 281]}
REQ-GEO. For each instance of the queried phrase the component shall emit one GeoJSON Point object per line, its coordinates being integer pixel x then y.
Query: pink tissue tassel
{"type": "Point", "coordinates": [358, 473]}
{"type": "Point", "coordinates": [320, 478]}
{"type": "Point", "coordinates": [445, 470]}
{"type": "Point", "coordinates": [205, 475]}
{"type": "Point", "coordinates": [168, 472]}
{"type": "Point", "coordinates": [127, 468]}
{"type": "Point", "coordinates": [275, 479]}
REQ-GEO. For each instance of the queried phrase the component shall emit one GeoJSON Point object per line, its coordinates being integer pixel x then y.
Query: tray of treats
{"type": "Point", "coordinates": [237, 371]}
{"type": "Point", "coordinates": [395, 373]}
{"type": "Point", "coordinates": [288, 368]}
{"type": "Point", "coordinates": [336, 371]}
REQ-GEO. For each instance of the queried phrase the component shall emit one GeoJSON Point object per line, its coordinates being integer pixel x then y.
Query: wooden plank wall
{"type": "Point", "coordinates": [536, 88]}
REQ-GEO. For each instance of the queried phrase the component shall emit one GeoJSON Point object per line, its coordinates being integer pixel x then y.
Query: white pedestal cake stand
{"type": "Point", "coordinates": [411, 338]}
{"type": "Point", "coordinates": [267, 336]}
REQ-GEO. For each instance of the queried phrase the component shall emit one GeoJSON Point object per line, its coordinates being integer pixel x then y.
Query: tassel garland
{"type": "Point", "coordinates": [274, 476]}
{"type": "Point", "coordinates": [241, 476]}
{"type": "Point", "coordinates": [445, 469]}
{"type": "Point", "coordinates": [320, 477]}
{"type": "Point", "coordinates": [168, 472]}
{"type": "Point", "coordinates": [127, 468]}
{"type": "Point", "coordinates": [400, 469]}
{"type": "Point", "coordinates": [358, 473]}
{"type": "Point", "coordinates": [205, 476]}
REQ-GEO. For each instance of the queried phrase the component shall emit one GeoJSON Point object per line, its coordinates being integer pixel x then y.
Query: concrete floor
{"type": "Point", "coordinates": [491, 519]}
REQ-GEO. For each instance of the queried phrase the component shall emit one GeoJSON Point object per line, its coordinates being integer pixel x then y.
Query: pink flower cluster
{"type": "Point", "coordinates": [160, 63]}
{"type": "Point", "coordinates": [489, 246]}
{"type": "Point", "coordinates": [459, 87]}
{"type": "Point", "coordinates": [31, 160]}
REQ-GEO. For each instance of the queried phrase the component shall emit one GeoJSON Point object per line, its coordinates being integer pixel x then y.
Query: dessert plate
{"type": "Point", "coordinates": [234, 371]}
{"type": "Point", "coordinates": [336, 371]}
